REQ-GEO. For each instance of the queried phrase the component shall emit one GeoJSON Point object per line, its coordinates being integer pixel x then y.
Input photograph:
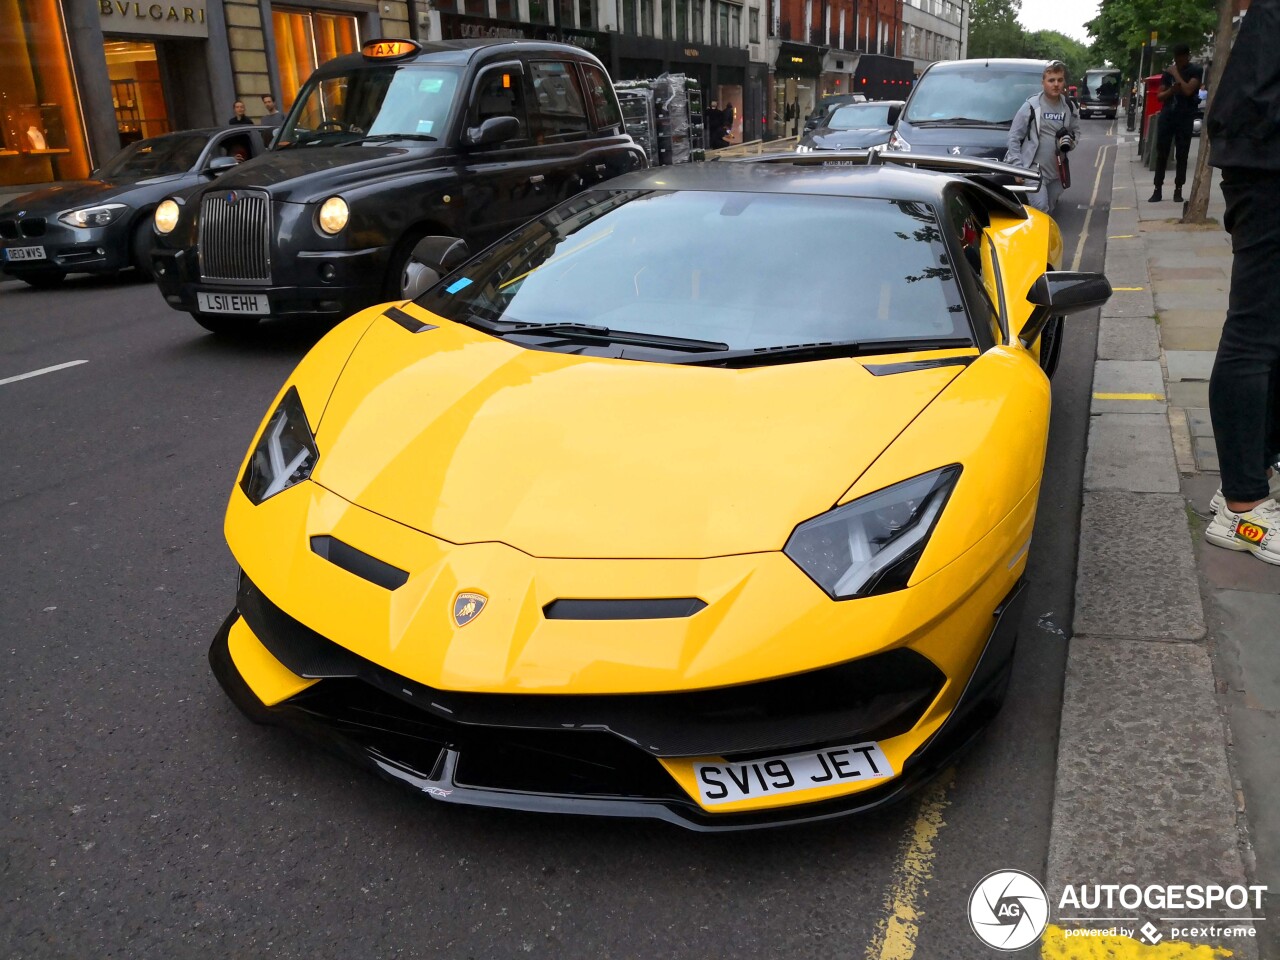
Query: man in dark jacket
{"type": "Point", "coordinates": [1244, 137]}
{"type": "Point", "coordinates": [1180, 93]}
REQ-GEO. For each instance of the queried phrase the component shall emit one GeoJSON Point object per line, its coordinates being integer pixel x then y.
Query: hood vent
{"type": "Point", "coordinates": [361, 564]}
{"type": "Point", "coordinates": [667, 609]}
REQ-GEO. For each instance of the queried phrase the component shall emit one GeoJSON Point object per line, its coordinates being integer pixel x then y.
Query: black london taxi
{"type": "Point", "coordinates": [388, 159]}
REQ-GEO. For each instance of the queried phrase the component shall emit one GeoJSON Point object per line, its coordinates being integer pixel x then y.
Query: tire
{"type": "Point", "coordinates": [230, 327]}
{"type": "Point", "coordinates": [1051, 346]}
{"type": "Point", "coordinates": [44, 281]}
{"type": "Point", "coordinates": [140, 248]}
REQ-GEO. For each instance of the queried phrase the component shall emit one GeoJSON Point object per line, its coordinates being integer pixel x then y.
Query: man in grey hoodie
{"type": "Point", "coordinates": [1244, 140]}
{"type": "Point", "coordinates": [1042, 128]}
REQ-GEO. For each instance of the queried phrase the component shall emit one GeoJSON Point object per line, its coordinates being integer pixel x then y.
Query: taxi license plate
{"type": "Point", "coordinates": [770, 776]}
{"type": "Point", "coordinates": [254, 304]}
{"type": "Point", "coordinates": [14, 254]}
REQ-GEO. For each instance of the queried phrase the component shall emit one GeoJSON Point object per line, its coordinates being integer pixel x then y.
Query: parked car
{"type": "Point", "coordinates": [853, 126]}
{"type": "Point", "coordinates": [828, 104]}
{"type": "Point", "coordinates": [383, 149]}
{"type": "Point", "coordinates": [705, 497]}
{"type": "Point", "coordinates": [965, 107]}
{"type": "Point", "coordinates": [103, 224]}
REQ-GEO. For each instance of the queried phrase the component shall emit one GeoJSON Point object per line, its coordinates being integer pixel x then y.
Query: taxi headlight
{"type": "Point", "coordinates": [333, 215]}
{"type": "Point", "coordinates": [286, 453]}
{"type": "Point", "coordinates": [166, 217]}
{"type": "Point", "coordinates": [96, 216]}
{"type": "Point", "coordinates": [872, 544]}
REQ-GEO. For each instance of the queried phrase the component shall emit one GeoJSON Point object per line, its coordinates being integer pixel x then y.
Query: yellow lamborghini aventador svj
{"type": "Point", "coordinates": [706, 496]}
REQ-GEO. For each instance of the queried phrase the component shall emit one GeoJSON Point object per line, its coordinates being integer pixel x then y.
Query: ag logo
{"type": "Point", "coordinates": [1250, 532]}
{"type": "Point", "coordinates": [467, 606]}
{"type": "Point", "coordinates": [1008, 910]}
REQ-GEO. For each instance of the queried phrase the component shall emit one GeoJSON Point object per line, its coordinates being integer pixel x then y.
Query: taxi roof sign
{"type": "Point", "coordinates": [389, 49]}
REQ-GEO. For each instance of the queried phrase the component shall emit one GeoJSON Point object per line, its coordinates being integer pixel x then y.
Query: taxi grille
{"type": "Point", "coordinates": [234, 239]}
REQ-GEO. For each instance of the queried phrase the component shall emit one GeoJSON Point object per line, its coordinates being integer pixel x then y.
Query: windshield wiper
{"type": "Point", "coordinates": [959, 122]}
{"type": "Point", "coordinates": [595, 334]}
{"type": "Point", "coordinates": [388, 137]}
{"type": "Point", "coordinates": [760, 356]}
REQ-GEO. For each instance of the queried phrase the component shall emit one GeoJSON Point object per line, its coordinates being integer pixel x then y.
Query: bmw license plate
{"type": "Point", "coordinates": [769, 776]}
{"type": "Point", "coordinates": [14, 254]}
{"type": "Point", "coordinates": [251, 304]}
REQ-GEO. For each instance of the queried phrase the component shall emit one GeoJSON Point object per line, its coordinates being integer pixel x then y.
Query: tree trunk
{"type": "Point", "coordinates": [1197, 209]}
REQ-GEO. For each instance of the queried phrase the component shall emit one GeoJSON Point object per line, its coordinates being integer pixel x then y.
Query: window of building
{"type": "Point", "coordinates": [629, 24]}
{"type": "Point", "coordinates": [307, 38]}
{"type": "Point", "coordinates": [699, 10]}
{"type": "Point", "coordinates": [559, 110]}
{"type": "Point", "coordinates": [755, 24]}
{"type": "Point", "coordinates": [646, 18]}
{"type": "Point", "coordinates": [136, 91]}
{"type": "Point", "coordinates": [682, 20]}
{"type": "Point", "coordinates": [586, 14]}
{"type": "Point", "coordinates": [540, 11]}
{"type": "Point", "coordinates": [505, 10]}
{"type": "Point", "coordinates": [721, 13]}
{"type": "Point", "coordinates": [564, 13]}
{"type": "Point", "coordinates": [41, 134]}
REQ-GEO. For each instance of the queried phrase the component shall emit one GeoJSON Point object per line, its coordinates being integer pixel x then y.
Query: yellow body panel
{"type": "Point", "coordinates": [270, 680]}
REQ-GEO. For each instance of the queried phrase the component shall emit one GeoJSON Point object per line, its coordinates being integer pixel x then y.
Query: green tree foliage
{"type": "Point", "coordinates": [994, 30]}
{"type": "Point", "coordinates": [1123, 26]}
{"type": "Point", "coordinates": [1052, 45]}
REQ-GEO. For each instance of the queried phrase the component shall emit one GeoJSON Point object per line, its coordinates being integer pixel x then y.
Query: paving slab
{"type": "Point", "coordinates": [1198, 422]}
{"type": "Point", "coordinates": [1127, 377]}
{"type": "Point", "coordinates": [1128, 338]}
{"type": "Point", "coordinates": [1146, 761]}
{"type": "Point", "coordinates": [1131, 451]}
{"type": "Point", "coordinates": [1129, 303]}
{"type": "Point", "coordinates": [1245, 623]}
{"type": "Point", "coordinates": [1136, 575]}
{"type": "Point", "coordinates": [1205, 451]}
{"type": "Point", "coordinates": [1166, 274]}
{"type": "Point", "coordinates": [1189, 393]}
{"type": "Point", "coordinates": [1189, 364]}
{"type": "Point", "coordinates": [1190, 337]}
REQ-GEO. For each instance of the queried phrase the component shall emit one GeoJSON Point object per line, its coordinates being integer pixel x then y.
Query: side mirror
{"type": "Point", "coordinates": [1058, 293]}
{"type": "Point", "coordinates": [430, 260]}
{"type": "Point", "coordinates": [493, 130]}
{"type": "Point", "coordinates": [221, 165]}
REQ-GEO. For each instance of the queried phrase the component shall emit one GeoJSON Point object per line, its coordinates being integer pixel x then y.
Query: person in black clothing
{"type": "Point", "coordinates": [1180, 93]}
{"type": "Point", "coordinates": [239, 115]}
{"type": "Point", "coordinates": [1244, 388]}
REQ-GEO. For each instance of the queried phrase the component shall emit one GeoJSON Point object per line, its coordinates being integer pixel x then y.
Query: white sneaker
{"type": "Point", "coordinates": [1256, 530]}
{"type": "Point", "coordinates": [1273, 486]}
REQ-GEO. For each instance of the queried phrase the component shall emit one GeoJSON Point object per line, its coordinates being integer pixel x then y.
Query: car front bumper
{"type": "Point", "coordinates": [70, 250]}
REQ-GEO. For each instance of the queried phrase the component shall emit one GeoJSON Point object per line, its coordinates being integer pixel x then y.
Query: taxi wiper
{"type": "Point", "coordinates": [389, 137]}
{"type": "Point", "coordinates": [960, 122]}
{"type": "Point", "coordinates": [586, 332]}
{"type": "Point", "coordinates": [762, 356]}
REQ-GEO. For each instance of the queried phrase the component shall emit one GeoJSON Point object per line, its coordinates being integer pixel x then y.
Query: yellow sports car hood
{"type": "Point", "coordinates": [473, 439]}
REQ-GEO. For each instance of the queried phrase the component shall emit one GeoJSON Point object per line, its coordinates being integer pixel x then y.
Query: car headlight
{"type": "Point", "coordinates": [333, 215]}
{"type": "Point", "coordinates": [897, 143]}
{"type": "Point", "coordinates": [803, 148]}
{"type": "Point", "coordinates": [98, 216]}
{"type": "Point", "coordinates": [872, 544]}
{"type": "Point", "coordinates": [166, 217]}
{"type": "Point", "coordinates": [286, 454]}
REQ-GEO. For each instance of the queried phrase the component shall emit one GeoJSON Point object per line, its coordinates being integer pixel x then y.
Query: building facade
{"type": "Point", "coordinates": [935, 30]}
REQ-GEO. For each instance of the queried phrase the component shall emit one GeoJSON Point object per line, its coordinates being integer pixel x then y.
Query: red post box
{"type": "Point", "coordinates": [1151, 105]}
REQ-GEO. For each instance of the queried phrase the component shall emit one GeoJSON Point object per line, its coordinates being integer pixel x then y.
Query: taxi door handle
{"type": "Point", "coordinates": [537, 179]}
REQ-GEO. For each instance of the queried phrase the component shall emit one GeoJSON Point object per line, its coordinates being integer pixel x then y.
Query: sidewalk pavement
{"type": "Point", "coordinates": [1169, 760]}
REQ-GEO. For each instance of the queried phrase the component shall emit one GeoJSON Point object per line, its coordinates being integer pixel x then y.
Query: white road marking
{"type": "Point", "coordinates": [38, 373]}
{"type": "Point", "coordinates": [1084, 232]}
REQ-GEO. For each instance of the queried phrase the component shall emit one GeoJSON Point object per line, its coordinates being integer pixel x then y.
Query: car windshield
{"type": "Point", "coordinates": [987, 94]}
{"type": "Point", "coordinates": [1102, 84]}
{"type": "Point", "coordinates": [744, 270]}
{"type": "Point", "coordinates": [855, 116]}
{"type": "Point", "coordinates": [157, 157]}
{"type": "Point", "coordinates": [383, 102]}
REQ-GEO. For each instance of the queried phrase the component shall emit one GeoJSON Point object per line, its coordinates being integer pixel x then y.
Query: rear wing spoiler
{"type": "Point", "coordinates": [999, 178]}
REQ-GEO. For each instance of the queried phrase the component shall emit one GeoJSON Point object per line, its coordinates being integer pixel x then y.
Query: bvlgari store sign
{"type": "Point", "coordinates": [139, 18]}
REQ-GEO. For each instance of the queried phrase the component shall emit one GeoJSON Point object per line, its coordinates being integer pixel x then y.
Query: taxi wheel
{"type": "Point", "coordinates": [226, 326]}
{"type": "Point", "coordinates": [140, 248]}
{"type": "Point", "coordinates": [1051, 346]}
{"type": "Point", "coordinates": [44, 281]}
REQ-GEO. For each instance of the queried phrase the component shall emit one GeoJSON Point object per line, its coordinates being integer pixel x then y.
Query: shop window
{"type": "Point", "coordinates": [41, 134]}
{"type": "Point", "coordinates": [558, 111]}
{"type": "Point", "coordinates": [304, 40]}
{"type": "Point", "coordinates": [136, 91]}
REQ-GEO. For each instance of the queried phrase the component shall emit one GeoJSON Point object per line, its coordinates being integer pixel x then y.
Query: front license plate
{"type": "Point", "coordinates": [769, 776]}
{"type": "Point", "coordinates": [14, 254]}
{"type": "Point", "coordinates": [256, 304]}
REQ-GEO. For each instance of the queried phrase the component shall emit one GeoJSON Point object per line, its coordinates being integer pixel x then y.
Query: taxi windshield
{"type": "Point", "coordinates": [382, 103]}
{"type": "Point", "coordinates": [976, 93]}
{"type": "Point", "coordinates": [745, 270]}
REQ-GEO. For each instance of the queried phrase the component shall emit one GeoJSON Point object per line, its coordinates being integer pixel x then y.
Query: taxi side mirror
{"type": "Point", "coordinates": [492, 130]}
{"type": "Point", "coordinates": [1058, 293]}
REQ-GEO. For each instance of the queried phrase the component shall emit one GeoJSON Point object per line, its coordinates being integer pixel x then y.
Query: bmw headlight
{"type": "Point", "coordinates": [98, 216]}
{"type": "Point", "coordinates": [897, 143]}
{"type": "Point", "coordinates": [333, 215]}
{"type": "Point", "coordinates": [286, 454]}
{"type": "Point", "coordinates": [872, 544]}
{"type": "Point", "coordinates": [166, 217]}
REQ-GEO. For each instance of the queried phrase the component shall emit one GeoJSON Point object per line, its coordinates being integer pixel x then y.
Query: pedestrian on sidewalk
{"type": "Point", "coordinates": [1180, 93]}
{"type": "Point", "coordinates": [1044, 129]}
{"type": "Point", "coordinates": [1244, 386]}
{"type": "Point", "coordinates": [238, 116]}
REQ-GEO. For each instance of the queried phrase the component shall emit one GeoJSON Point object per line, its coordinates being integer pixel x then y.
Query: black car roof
{"type": "Point", "coordinates": [460, 53]}
{"type": "Point", "coordinates": [816, 176]}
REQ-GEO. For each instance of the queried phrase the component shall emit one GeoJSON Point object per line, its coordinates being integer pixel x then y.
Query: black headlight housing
{"type": "Point", "coordinates": [286, 452]}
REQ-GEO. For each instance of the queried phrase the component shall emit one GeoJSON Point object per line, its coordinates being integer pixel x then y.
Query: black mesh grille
{"type": "Point", "coordinates": [9, 229]}
{"type": "Point", "coordinates": [32, 226]}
